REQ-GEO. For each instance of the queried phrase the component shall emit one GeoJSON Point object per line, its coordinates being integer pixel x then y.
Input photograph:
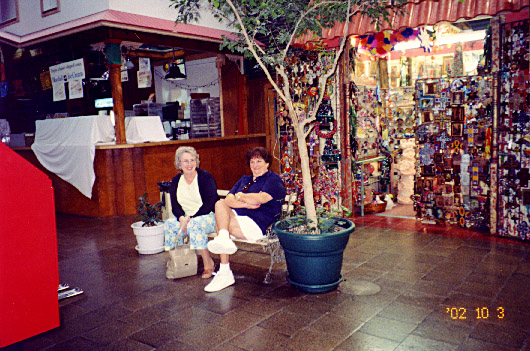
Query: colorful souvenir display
{"type": "Point", "coordinates": [368, 116]}
{"type": "Point", "coordinates": [454, 118]}
{"type": "Point", "coordinates": [305, 68]}
{"type": "Point", "coordinates": [513, 131]}
{"type": "Point", "coordinates": [400, 116]}
{"type": "Point", "coordinates": [381, 43]}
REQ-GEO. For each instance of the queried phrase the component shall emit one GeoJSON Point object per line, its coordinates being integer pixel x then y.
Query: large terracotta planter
{"type": "Point", "coordinates": [150, 239]}
{"type": "Point", "coordinates": [314, 262]}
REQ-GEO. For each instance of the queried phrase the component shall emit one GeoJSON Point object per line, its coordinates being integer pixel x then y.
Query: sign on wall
{"type": "Point", "coordinates": [67, 71]}
{"type": "Point", "coordinates": [71, 72]}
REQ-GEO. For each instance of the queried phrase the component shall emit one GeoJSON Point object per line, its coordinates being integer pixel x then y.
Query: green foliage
{"type": "Point", "coordinates": [265, 31]}
{"type": "Point", "coordinates": [272, 25]}
{"type": "Point", "coordinates": [147, 213]}
{"type": "Point", "coordinates": [326, 219]}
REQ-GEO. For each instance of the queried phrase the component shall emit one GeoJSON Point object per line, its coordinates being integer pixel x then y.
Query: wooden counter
{"type": "Point", "coordinates": [125, 172]}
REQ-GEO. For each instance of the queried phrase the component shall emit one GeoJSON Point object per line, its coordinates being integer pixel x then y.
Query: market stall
{"type": "Point", "coordinates": [470, 148]}
{"type": "Point", "coordinates": [125, 172]}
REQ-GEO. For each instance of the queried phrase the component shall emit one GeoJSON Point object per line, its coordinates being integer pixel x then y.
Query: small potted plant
{"type": "Point", "coordinates": [149, 230]}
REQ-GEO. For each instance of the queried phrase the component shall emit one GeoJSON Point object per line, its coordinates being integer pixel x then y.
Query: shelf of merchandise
{"type": "Point", "coordinates": [361, 163]}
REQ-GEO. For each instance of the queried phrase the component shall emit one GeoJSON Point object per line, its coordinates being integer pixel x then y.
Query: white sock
{"type": "Point", "coordinates": [224, 267]}
{"type": "Point", "coordinates": [223, 234]}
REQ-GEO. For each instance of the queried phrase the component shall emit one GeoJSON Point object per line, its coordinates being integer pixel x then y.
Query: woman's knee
{"type": "Point", "coordinates": [220, 205]}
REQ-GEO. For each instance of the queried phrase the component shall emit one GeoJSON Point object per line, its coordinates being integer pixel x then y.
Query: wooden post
{"type": "Point", "coordinates": [272, 143]}
{"type": "Point", "coordinates": [113, 56]}
{"type": "Point", "coordinates": [242, 98]}
{"type": "Point", "coordinates": [117, 98]}
{"type": "Point", "coordinates": [346, 173]}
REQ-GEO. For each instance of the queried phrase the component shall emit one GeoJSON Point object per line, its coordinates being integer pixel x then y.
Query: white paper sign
{"type": "Point", "coordinates": [124, 74]}
{"type": "Point", "coordinates": [75, 89]}
{"type": "Point", "coordinates": [144, 64]}
{"type": "Point", "coordinates": [144, 79]}
{"type": "Point", "coordinates": [68, 71]}
{"type": "Point", "coordinates": [59, 92]}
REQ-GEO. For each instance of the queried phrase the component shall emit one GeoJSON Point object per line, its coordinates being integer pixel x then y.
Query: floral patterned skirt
{"type": "Point", "coordinates": [198, 229]}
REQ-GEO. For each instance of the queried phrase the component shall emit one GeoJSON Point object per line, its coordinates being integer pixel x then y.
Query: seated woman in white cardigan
{"type": "Point", "coordinates": [193, 194]}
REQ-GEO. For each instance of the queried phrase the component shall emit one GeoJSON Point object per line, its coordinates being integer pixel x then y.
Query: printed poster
{"type": "Point", "coordinates": [144, 79]}
{"type": "Point", "coordinates": [124, 74]}
{"type": "Point", "coordinates": [144, 64]}
{"type": "Point", "coordinates": [46, 80]}
{"type": "Point", "coordinates": [75, 89]}
{"type": "Point", "coordinates": [59, 92]}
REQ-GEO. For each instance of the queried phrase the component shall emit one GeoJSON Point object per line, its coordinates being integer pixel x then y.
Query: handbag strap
{"type": "Point", "coordinates": [185, 240]}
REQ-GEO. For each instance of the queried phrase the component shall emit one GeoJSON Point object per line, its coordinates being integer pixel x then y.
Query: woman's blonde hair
{"type": "Point", "coordinates": [183, 149]}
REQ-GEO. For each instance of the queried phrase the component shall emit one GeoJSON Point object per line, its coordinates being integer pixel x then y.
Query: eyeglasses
{"type": "Point", "coordinates": [245, 188]}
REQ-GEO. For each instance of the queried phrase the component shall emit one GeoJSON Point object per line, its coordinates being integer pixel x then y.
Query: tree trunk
{"type": "Point", "coordinates": [309, 201]}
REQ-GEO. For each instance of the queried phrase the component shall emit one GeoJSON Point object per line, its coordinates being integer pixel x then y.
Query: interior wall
{"type": "Point", "coordinates": [230, 101]}
{"type": "Point", "coordinates": [257, 99]}
{"type": "Point", "coordinates": [201, 77]}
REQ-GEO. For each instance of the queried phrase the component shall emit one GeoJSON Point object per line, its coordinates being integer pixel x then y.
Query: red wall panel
{"type": "Point", "coordinates": [29, 274]}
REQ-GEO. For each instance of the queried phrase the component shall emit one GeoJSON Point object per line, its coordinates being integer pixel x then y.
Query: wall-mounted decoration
{"type": "Point", "coordinates": [427, 102]}
{"type": "Point", "coordinates": [454, 150]}
{"type": "Point", "coordinates": [513, 132]}
{"type": "Point", "coordinates": [457, 98]}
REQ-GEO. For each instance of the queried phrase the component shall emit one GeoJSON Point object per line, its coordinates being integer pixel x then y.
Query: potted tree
{"type": "Point", "coordinates": [265, 31]}
{"type": "Point", "coordinates": [149, 230]}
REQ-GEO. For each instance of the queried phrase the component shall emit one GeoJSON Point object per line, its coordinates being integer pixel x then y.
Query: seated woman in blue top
{"type": "Point", "coordinates": [253, 203]}
{"type": "Point", "coordinates": [193, 194]}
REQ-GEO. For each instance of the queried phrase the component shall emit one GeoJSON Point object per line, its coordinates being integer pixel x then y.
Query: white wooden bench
{"type": "Point", "coordinates": [269, 242]}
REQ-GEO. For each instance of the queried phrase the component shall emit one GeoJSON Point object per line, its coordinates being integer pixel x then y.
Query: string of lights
{"type": "Point", "coordinates": [187, 87]}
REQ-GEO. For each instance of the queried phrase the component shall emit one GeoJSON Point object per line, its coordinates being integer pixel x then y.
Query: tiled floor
{"type": "Point", "coordinates": [423, 272]}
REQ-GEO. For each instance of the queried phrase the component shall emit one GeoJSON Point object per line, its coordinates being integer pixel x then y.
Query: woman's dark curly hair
{"type": "Point", "coordinates": [260, 152]}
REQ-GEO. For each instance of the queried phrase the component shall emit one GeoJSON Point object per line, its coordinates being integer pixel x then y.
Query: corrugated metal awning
{"type": "Point", "coordinates": [419, 13]}
{"type": "Point", "coordinates": [116, 19]}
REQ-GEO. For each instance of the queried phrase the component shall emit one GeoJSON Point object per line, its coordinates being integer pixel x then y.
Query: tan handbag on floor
{"type": "Point", "coordinates": [182, 262]}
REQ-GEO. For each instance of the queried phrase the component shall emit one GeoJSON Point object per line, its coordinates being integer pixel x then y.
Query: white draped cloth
{"type": "Point", "coordinates": [67, 146]}
{"type": "Point", "coordinates": [141, 129]}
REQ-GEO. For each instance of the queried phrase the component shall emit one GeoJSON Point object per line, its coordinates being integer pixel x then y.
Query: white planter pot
{"type": "Point", "coordinates": [150, 239]}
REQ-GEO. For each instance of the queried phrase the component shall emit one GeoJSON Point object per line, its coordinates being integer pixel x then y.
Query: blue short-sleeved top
{"type": "Point", "coordinates": [270, 183]}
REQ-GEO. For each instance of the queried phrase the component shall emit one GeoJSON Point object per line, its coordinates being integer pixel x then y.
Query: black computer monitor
{"type": "Point", "coordinates": [170, 112]}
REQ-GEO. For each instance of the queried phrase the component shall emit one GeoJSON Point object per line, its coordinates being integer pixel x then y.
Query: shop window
{"type": "Point", "coordinates": [49, 7]}
{"type": "Point", "coordinates": [8, 12]}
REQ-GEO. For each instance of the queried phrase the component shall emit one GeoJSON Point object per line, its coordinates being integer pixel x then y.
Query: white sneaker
{"type": "Point", "coordinates": [220, 281]}
{"type": "Point", "coordinates": [222, 246]}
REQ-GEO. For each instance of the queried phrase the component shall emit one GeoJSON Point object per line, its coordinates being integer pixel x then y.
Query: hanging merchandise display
{"type": "Point", "coordinates": [457, 68]}
{"type": "Point", "coordinates": [331, 155]}
{"type": "Point", "coordinates": [454, 118]}
{"type": "Point", "coordinates": [325, 125]}
{"type": "Point", "coordinates": [325, 128]}
{"type": "Point", "coordinates": [513, 130]}
{"type": "Point", "coordinates": [324, 155]}
{"type": "Point", "coordinates": [400, 115]}
{"type": "Point", "coordinates": [372, 159]}
{"type": "Point", "coordinates": [404, 77]}
{"type": "Point", "coordinates": [368, 117]}
{"type": "Point", "coordinates": [400, 118]}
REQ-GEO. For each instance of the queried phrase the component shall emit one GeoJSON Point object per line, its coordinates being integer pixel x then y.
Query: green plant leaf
{"type": "Point", "coordinates": [151, 215]}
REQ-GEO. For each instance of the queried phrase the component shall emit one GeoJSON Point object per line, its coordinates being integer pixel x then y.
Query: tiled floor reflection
{"type": "Point", "coordinates": [435, 281]}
